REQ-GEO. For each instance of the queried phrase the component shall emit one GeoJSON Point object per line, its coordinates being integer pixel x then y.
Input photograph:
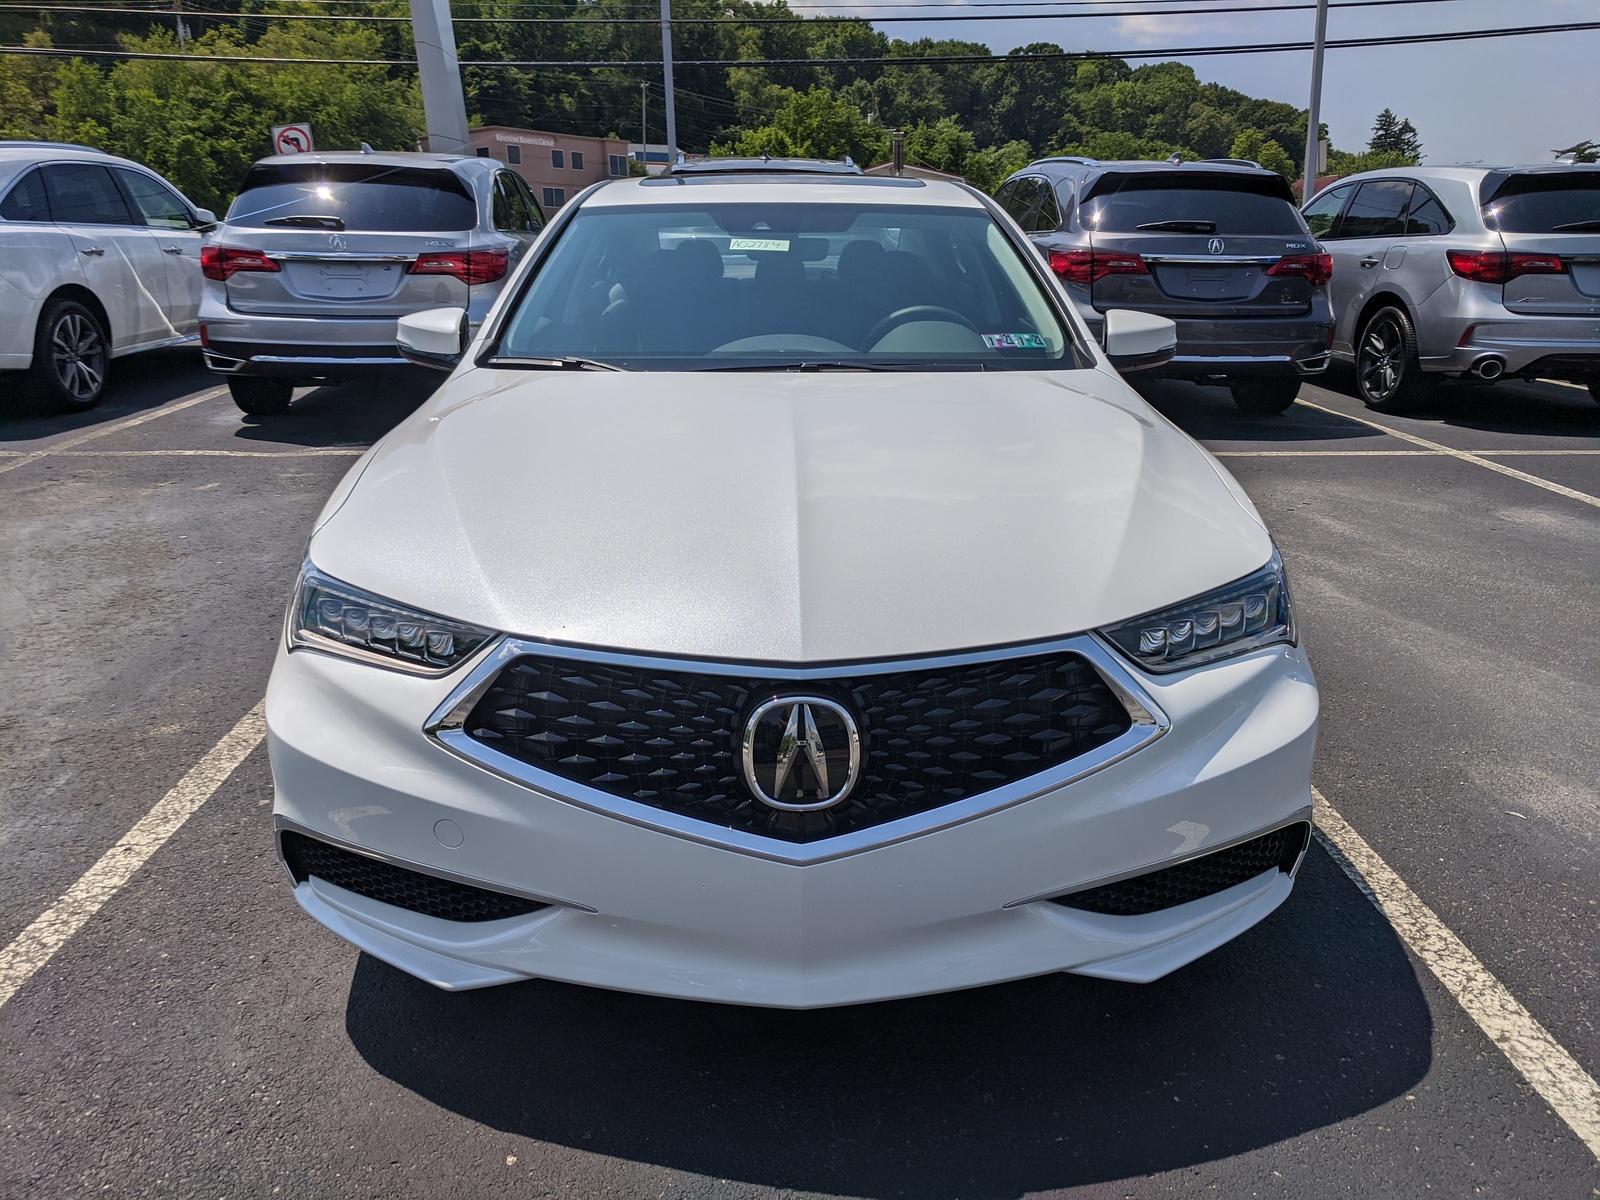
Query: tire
{"type": "Point", "coordinates": [71, 357]}
{"type": "Point", "coordinates": [261, 397]}
{"type": "Point", "coordinates": [1267, 395]}
{"type": "Point", "coordinates": [1594, 390]}
{"type": "Point", "coordinates": [1388, 377]}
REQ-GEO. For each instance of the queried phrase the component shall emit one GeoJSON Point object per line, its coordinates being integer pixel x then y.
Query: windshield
{"type": "Point", "coordinates": [786, 286]}
{"type": "Point", "coordinates": [1164, 204]}
{"type": "Point", "coordinates": [1546, 203]}
{"type": "Point", "coordinates": [356, 196]}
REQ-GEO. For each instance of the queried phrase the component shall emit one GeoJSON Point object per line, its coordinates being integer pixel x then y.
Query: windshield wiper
{"type": "Point", "coordinates": [563, 363]}
{"type": "Point", "coordinates": [1180, 226]}
{"type": "Point", "coordinates": [827, 366]}
{"type": "Point", "coordinates": [1581, 225]}
{"type": "Point", "coordinates": [309, 222]}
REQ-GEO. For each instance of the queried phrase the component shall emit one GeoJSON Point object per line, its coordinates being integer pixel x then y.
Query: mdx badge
{"type": "Point", "coordinates": [801, 753]}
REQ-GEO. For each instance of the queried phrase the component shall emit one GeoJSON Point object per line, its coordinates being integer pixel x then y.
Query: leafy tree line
{"type": "Point", "coordinates": [202, 123]}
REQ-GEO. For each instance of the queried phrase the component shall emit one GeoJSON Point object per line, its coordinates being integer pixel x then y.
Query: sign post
{"type": "Point", "coordinates": [292, 139]}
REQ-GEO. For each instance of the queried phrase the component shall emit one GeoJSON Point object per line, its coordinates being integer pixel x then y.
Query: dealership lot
{"type": "Point", "coordinates": [199, 1035]}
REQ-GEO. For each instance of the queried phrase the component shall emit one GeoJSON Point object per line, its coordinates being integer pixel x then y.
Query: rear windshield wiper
{"type": "Point", "coordinates": [307, 222]}
{"type": "Point", "coordinates": [1180, 226]}
{"type": "Point", "coordinates": [1576, 225]}
{"type": "Point", "coordinates": [563, 363]}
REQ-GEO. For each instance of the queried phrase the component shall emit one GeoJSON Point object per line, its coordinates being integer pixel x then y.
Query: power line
{"type": "Point", "coordinates": [967, 17]}
{"type": "Point", "coordinates": [1166, 52]}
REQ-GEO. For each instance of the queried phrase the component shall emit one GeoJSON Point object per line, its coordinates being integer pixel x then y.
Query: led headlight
{"type": "Point", "coordinates": [1245, 615]}
{"type": "Point", "coordinates": [335, 617]}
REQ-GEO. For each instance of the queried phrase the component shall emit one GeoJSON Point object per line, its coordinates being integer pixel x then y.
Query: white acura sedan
{"type": "Point", "coordinates": [785, 602]}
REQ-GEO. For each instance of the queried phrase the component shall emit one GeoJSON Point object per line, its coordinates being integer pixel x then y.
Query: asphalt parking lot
{"type": "Point", "coordinates": [199, 1036]}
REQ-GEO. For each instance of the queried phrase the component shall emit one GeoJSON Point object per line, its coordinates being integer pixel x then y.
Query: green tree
{"type": "Point", "coordinates": [1256, 146]}
{"type": "Point", "coordinates": [988, 168]}
{"type": "Point", "coordinates": [1392, 134]}
{"type": "Point", "coordinates": [1582, 152]}
{"type": "Point", "coordinates": [1123, 147]}
{"type": "Point", "coordinates": [943, 145]}
{"type": "Point", "coordinates": [813, 124]}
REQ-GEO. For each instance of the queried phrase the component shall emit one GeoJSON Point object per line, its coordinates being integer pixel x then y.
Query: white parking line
{"type": "Point", "coordinates": [1365, 453]}
{"type": "Point", "coordinates": [1539, 1058]}
{"type": "Point", "coordinates": [101, 431]}
{"type": "Point", "coordinates": [1463, 455]}
{"type": "Point", "coordinates": [37, 944]}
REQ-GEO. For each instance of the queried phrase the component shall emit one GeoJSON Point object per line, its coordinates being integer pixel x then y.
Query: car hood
{"type": "Point", "coordinates": [788, 517]}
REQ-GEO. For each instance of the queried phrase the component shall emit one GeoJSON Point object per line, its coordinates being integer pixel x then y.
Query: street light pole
{"type": "Point", "coordinates": [444, 106]}
{"type": "Point", "coordinates": [1314, 121]}
{"type": "Point", "coordinates": [666, 64]}
{"type": "Point", "coordinates": [644, 122]}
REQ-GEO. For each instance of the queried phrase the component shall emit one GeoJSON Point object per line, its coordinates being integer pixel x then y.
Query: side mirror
{"type": "Point", "coordinates": [434, 337]}
{"type": "Point", "coordinates": [204, 218]}
{"type": "Point", "coordinates": [1136, 341]}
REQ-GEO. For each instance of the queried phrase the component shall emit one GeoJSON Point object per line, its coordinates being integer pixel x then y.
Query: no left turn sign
{"type": "Point", "coordinates": [292, 139]}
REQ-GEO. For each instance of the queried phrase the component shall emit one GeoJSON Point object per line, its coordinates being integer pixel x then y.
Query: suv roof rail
{"type": "Point", "coordinates": [1069, 158]}
{"type": "Point", "coordinates": [764, 165]}
{"type": "Point", "coordinates": [1236, 162]}
{"type": "Point", "coordinates": [51, 145]}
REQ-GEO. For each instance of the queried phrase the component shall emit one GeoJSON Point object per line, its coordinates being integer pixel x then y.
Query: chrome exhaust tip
{"type": "Point", "coordinates": [1489, 368]}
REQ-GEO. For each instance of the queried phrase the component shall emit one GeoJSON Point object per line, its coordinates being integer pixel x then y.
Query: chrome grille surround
{"type": "Point", "coordinates": [447, 727]}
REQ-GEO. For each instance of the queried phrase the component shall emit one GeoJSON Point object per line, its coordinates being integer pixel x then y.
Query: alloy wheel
{"type": "Point", "coordinates": [78, 353]}
{"type": "Point", "coordinates": [1382, 362]}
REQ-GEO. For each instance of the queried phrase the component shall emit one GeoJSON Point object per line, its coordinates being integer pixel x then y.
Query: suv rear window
{"type": "Point", "coordinates": [1242, 206]}
{"type": "Point", "coordinates": [368, 197]}
{"type": "Point", "coordinates": [1546, 203]}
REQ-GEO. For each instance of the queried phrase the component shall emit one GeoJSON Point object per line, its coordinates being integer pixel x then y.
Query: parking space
{"type": "Point", "coordinates": [200, 1035]}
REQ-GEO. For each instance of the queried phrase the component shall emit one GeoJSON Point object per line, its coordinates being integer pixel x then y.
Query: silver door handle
{"type": "Point", "coordinates": [1371, 260]}
{"type": "Point", "coordinates": [95, 251]}
{"type": "Point", "coordinates": [173, 249]}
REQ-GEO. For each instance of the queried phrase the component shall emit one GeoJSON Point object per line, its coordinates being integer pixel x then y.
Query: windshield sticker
{"type": "Point", "coordinates": [775, 245]}
{"type": "Point", "coordinates": [1014, 341]}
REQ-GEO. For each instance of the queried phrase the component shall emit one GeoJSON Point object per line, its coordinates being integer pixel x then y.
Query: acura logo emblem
{"type": "Point", "coordinates": [336, 241]}
{"type": "Point", "coordinates": [1214, 245]}
{"type": "Point", "coordinates": [801, 753]}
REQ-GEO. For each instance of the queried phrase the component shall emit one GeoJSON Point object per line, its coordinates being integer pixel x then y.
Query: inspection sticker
{"type": "Point", "coordinates": [1014, 341]}
{"type": "Point", "coordinates": [777, 245]}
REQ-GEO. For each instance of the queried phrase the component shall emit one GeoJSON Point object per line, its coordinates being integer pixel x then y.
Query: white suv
{"type": "Point", "coordinates": [99, 257]}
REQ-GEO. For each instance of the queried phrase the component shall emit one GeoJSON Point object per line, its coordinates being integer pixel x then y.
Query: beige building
{"type": "Point", "coordinates": [557, 166]}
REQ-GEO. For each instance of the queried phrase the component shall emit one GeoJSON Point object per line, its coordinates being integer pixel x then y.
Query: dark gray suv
{"type": "Point", "coordinates": [1217, 246]}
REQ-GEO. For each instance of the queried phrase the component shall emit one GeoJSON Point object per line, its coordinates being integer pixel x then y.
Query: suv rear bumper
{"type": "Point", "coordinates": [304, 362]}
{"type": "Point", "coordinates": [1555, 347]}
{"type": "Point", "coordinates": [1241, 348]}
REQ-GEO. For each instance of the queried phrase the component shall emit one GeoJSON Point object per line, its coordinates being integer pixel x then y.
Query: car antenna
{"type": "Point", "coordinates": [366, 149]}
{"type": "Point", "coordinates": [1177, 157]}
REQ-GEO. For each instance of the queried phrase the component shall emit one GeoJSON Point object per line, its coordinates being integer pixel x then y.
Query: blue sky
{"type": "Point", "coordinates": [1510, 99]}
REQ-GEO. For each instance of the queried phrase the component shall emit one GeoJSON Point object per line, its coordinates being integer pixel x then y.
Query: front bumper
{"type": "Point", "coordinates": [641, 907]}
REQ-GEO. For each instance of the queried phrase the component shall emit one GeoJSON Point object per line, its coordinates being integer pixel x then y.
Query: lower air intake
{"type": "Point", "coordinates": [1197, 878]}
{"type": "Point", "coordinates": [389, 884]}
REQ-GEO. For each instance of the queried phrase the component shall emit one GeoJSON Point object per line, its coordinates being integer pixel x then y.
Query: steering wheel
{"type": "Point", "coordinates": [917, 312]}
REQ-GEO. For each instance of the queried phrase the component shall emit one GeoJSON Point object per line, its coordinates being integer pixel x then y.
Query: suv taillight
{"type": "Point", "coordinates": [1086, 266]}
{"type": "Point", "coordinates": [469, 266]}
{"type": "Point", "coordinates": [219, 262]}
{"type": "Point", "coordinates": [1500, 266]}
{"type": "Point", "coordinates": [1316, 269]}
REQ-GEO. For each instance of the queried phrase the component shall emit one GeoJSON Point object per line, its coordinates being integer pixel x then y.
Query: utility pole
{"type": "Point", "coordinates": [1314, 120]}
{"type": "Point", "coordinates": [644, 123]}
{"type": "Point", "coordinates": [177, 19]}
{"type": "Point", "coordinates": [443, 104]}
{"type": "Point", "coordinates": [666, 64]}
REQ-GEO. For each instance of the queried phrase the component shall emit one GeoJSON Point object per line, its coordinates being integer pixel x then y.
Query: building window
{"type": "Point", "coordinates": [557, 159]}
{"type": "Point", "coordinates": [618, 164]}
{"type": "Point", "coordinates": [514, 155]}
{"type": "Point", "coordinates": [555, 197]}
{"type": "Point", "coordinates": [577, 160]}
{"type": "Point", "coordinates": [483, 152]}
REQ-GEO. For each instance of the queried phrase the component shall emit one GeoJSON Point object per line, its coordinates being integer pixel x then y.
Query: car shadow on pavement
{"type": "Point", "coordinates": [1209, 414]}
{"type": "Point", "coordinates": [353, 414]}
{"type": "Point", "coordinates": [1533, 408]}
{"type": "Point", "coordinates": [139, 382]}
{"type": "Point", "coordinates": [1312, 1017]}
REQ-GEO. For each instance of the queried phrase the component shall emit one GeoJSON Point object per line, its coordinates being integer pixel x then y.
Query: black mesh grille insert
{"type": "Point", "coordinates": [383, 881]}
{"type": "Point", "coordinates": [1203, 876]}
{"type": "Point", "coordinates": [670, 739]}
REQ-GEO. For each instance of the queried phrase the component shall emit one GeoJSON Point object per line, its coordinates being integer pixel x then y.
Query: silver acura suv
{"type": "Point", "coordinates": [1464, 272]}
{"type": "Point", "coordinates": [320, 254]}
